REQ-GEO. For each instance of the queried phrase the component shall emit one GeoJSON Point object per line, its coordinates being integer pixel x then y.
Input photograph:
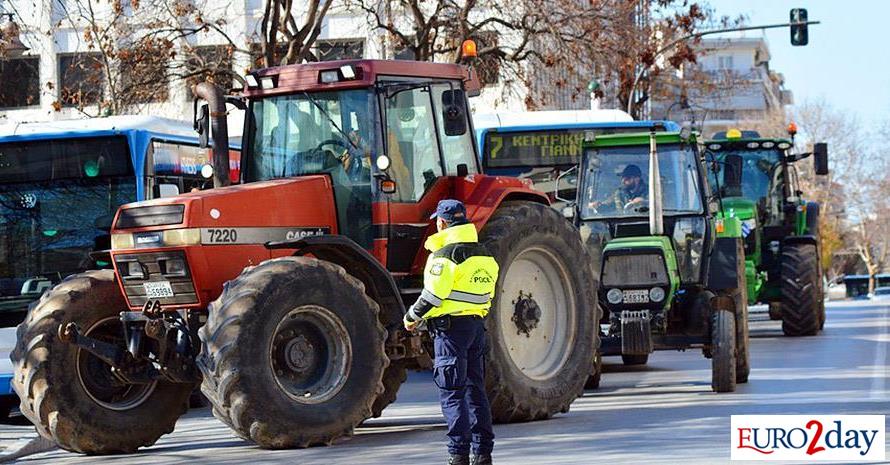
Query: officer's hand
{"type": "Point", "coordinates": [409, 325]}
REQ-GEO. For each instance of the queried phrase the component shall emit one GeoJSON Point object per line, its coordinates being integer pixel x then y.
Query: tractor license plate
{"type": "Point", "coordinates": [636, 297]}
{"type": "Point", "coordinates": [158, 289]}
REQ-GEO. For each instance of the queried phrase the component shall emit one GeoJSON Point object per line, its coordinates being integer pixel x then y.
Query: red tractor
{"type": "Point", "coordinates": [283, 296]}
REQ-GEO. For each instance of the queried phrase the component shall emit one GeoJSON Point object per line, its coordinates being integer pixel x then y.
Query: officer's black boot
{"type": "Point", "coordinates": [458, 459]}
{"type": "Point", "coordinates": [484, 459]}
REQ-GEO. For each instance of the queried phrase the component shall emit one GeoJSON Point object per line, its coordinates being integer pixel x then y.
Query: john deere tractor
{"type": "Point", "coordinates": [671, 272]}
{"type": "Point", "coordinates": [758, 183]}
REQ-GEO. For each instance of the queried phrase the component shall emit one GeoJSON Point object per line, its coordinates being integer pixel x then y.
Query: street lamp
{"type": "Point", "coordinates": [10, 40]}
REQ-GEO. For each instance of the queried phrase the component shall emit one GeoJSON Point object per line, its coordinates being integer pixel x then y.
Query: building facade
{"type": "Point", "coordinates": [59, 76]}
{"type": "Point", "coordinates": [731, 85]}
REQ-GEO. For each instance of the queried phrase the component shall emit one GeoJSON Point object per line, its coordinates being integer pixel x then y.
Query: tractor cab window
{"type": "Point", "coordinates": [320, 133]}
{"type": "Point", "coordinates": [615, 182]}
{"type": "Point", "coordinates": [457, 149]}
{"type": "Point", "coordinates": [761, 175]}
{"type": "Point", "coordinates": [411, 142]}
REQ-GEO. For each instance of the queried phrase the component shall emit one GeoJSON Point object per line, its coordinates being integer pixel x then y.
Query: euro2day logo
{"type": "Point", "coordinates": [808, 437]}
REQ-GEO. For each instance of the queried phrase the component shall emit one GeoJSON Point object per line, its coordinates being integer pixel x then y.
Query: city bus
{"type": "Point", "coordinates": [541, 145]}
{"type": "Point", "coordinates": [61, 183]}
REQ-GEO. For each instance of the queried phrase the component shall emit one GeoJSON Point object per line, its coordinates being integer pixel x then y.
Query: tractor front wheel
{"type": "Point", "coordinates": [723, 350]}
{"type": "Point", "coordinates": [542, 326]}
{"type": "Point", "coordinates": [73, 397]}
{"type": "Point", "coordinates": [801, 290]}
{"type": "Point", "coordinates": [293, 353]}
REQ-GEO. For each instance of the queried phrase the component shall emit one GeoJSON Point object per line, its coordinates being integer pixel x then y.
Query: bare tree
{"type": "Point", "coordinates": [855, 196]}
{"type": "Point", "coordinates": [288, 35]}
{"type": "Point", "coordinates": [548, 46]}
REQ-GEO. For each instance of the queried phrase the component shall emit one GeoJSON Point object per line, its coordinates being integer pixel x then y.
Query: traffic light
{"type": "Point", "coordinates": [799, 35]}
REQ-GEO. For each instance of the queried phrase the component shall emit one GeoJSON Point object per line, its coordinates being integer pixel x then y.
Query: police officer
{"type": "Point", "coordinates": [458, 285]}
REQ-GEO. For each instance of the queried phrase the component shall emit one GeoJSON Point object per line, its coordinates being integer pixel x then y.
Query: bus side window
{"type": "Point", "coordinates": [177, 168]}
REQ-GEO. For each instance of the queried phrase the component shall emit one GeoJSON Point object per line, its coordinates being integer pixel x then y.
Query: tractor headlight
{"type": "Point", "coordinates": [173, 267]}
{"type": "Point", "coordinates": [135, 270]}
{"type": "Point", "coordinates": [122, 241]}
{"type": "Point", "coordinates": [178, 237]}
{"type": "Point", "coordinates": [614, 296]}
{"type": "Point", "coordinates": [656, 294]}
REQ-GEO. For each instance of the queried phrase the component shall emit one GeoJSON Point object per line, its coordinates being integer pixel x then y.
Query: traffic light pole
{"type": "Point", "coordinates": [674, 43]}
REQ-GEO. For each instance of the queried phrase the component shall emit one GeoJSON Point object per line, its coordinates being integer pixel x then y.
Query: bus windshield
{"type": "Point", "coordinates": [615, 181]}
{"type": "Point", "coordinates": [57, 200]}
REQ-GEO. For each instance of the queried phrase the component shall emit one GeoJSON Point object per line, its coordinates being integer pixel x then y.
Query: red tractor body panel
{"type": "Point", "coordinates": [235, 223]}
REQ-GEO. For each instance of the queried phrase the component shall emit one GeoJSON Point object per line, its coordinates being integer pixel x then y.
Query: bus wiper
{"type": "Point", "coordinates": [331, 120]}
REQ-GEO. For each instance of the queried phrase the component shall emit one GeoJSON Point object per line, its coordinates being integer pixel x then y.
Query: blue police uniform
{"type": "Point", "coordinates": [459, 283]}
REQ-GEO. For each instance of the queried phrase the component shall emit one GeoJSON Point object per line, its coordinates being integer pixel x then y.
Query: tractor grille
{"type": "Point", "coordinates": [157, 215]}
{"type": "Point", "coordinates": [634, 270]}
{"type": "Point", "coordinates": [153, 265]}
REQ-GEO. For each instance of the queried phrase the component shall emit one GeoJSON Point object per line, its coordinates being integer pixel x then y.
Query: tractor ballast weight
{"type": "Point", "coordinates": [757, 181]}
{"type": "Point", "coordinates": [672, 274]}
{"type": "Point", "coordinates": [283, 295]}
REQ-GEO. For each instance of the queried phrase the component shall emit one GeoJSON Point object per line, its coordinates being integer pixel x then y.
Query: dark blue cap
{"type": "Point", "coordinates": [450, 210]}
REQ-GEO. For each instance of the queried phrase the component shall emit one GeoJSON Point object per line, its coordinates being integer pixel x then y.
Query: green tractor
{"type": "Point", "coordinates": [758, 183]}
{"type": "Point", "coordinates": [670, 271]}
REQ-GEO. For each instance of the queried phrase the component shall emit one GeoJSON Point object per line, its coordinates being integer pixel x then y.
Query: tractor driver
{"type": "Point", "coordinates": [632, 193]}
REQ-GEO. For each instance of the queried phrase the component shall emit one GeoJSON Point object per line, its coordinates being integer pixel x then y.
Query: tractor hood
{"type": "Point", "coordinates": [251, 207]}
{"type": "Point", "coordinates": [739, 207]}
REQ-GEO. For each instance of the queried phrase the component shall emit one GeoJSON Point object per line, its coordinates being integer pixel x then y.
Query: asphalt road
{"type": "Point", "coordinates": [663, 413]}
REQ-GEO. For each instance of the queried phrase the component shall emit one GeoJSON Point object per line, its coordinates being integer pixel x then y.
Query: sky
{"type": "Point", "coordinates": [847, 62]}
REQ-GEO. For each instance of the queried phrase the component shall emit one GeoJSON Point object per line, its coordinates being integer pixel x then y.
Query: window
{"type": "Point", "coordinates": [403, 52]}
{"type": "Point", "coordinates": [411, 143]}
{"type": "Point", "coordinates": [178, 164]}
{"type": "Point", "coordinates": [144, 72]}
{"type": "Point", "coordinates": [81, 79]}
{"type": "Point", "coordinates": [209, 63]}
{"type": "Point", "coordinates": [724, 62]}
{"type": "Point", "coordinates": [615, 181]}
{"type": "Point", "coordinates": [21, 82]}
{"type": "Point", "coordinates": [457, 150]}
{"type": "Point", "coordinates": [341, 49]}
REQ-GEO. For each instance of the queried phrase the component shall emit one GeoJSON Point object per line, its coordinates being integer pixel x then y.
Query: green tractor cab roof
{"type": "Point", "coordinates": [639, 138]}
{"type": "Point", "coordinates": [735, 139]}
{"type": "Point", "coordinates": [756, 143]}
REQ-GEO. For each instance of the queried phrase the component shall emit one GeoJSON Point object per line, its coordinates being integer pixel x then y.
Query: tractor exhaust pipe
{"type": "Point", "coordinates": [656, 213]}
{"type": "Point", "coordinates": [219, 130]}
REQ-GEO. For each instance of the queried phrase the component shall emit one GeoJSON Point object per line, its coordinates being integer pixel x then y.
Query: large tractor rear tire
{"type": "Point", "coordinates": [393, 377]}
{"type": "Point", "coordinates": [801, 292]}
{"type": "Point", "coordinates": [723, 351]}
{"type": "Point", "coordinates": [71, 396]}
{"type": "Point", "coordinates": [293, 353]}
{"type": "Point", "coordinates": [593, 381]}
{"type": "Point", "coordinates": [542, 327]}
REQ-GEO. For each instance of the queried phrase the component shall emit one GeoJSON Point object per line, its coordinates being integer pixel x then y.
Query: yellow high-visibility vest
{"type": "Point", "coordinates": [460, 274]}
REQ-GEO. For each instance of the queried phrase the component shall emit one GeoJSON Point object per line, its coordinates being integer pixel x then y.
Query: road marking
{"type": "Point", "coordinates": [879, 371]}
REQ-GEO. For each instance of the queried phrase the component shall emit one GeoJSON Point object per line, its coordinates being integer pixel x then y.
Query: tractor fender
{"type": "Point", "coordinates": [487, 203]}
{"type": "Point", "coordinates": [343, 251]}
{"type": "Point", "coordinates": [723, 268]}
{"type": "Point", "coordinates": [812, 219]}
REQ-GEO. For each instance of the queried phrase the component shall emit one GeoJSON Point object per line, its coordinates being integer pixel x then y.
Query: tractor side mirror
{"type": "Point", "coordinates": [820, 158]}
{"type": "Point", "coordinates": [732, 176]}
{"type": "Point", "coordinates": [202, 124]}
{"type": "Point", "coordinates": [454, 112]}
